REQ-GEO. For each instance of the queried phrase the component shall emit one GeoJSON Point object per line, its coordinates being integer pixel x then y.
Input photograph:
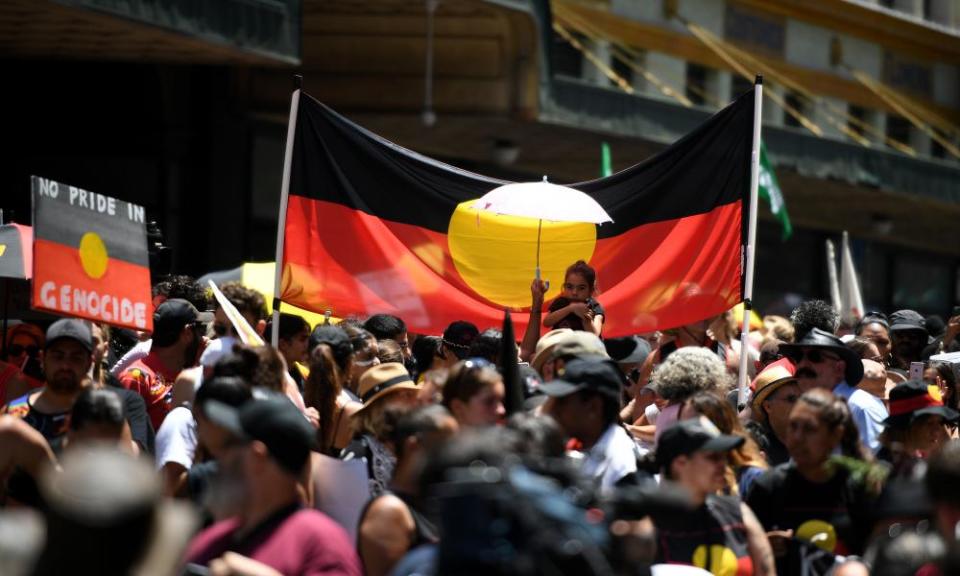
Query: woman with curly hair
{"type": "Point", "coordinates": [684, 373]}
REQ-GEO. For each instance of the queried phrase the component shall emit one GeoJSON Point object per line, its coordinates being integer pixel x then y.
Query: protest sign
{"type": "Point", "coordinates": [90, 256]}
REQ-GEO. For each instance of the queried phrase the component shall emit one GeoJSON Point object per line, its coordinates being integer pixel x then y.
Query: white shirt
{"type": "Point", "coordinates": [868, 412]}
{"type": "Point", "coordinates": [611, 458]}
{"type": "Point", "coordinates": [177, 438]}
{"type": "Point", "coordinates": [139, 350]}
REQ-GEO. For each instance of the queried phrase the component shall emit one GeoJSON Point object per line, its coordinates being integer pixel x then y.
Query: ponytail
{"type": "Point", "coordinates": [833, 412]}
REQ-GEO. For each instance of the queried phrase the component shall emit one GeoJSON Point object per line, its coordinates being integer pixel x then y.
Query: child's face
{"type": "Point", "coordinates": [576, 287]}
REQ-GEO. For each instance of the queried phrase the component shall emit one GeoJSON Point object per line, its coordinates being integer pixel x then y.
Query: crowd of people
{"type": "Point", "coordinates": [362, 448]}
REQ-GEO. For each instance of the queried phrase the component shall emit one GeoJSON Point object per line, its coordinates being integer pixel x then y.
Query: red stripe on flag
{"type": "Point", "coordinates": [654, 276]}
{"type": "Point", "coordinates": [907, 405]}
{"type": "Point", "coordinates": [59, 279]}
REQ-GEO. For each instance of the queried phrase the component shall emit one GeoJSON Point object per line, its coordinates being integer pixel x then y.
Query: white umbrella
{"type": "Point", "coordinates": [543, 201]}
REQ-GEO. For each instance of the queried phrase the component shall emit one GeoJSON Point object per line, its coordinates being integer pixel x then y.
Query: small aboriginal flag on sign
{"type": "Point", "coordinates": [90, 256]}
{"type": "Point", "coordinates": [372, 227]}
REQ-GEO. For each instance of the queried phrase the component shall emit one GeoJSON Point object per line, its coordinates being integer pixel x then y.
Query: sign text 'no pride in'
{"type": "Point", "coordinates": [90, 256]}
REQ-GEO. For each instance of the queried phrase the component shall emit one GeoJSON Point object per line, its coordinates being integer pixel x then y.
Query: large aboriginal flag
{"type": "Point", "coordinates": [373, 227]}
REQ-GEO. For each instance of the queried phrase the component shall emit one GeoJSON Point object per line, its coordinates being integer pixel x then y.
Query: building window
{"type": "Point", "coordinates": [567, 60]}
{"type": "Point", "coordinates": [898, 128]}
{"type": "Point", "coordinates": [795, 102]}
{"type": "Point", "coordinates": [696, 86]}
{"type": "Point", "coordinates": [622, 69]}
{"type": "Point", "coordinates": [739, 86]}
{"type": "Point", "coordinates": [858, 117]}
{"type": "Point", "coordinates": [753, 29]}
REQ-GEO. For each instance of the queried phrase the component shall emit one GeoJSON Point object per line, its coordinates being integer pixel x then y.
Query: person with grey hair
{"type": "Point", "coordinates": [684, 373]}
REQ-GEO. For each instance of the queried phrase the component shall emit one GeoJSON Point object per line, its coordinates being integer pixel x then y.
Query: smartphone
{"type": "Point", "coordinates": [916, 371]}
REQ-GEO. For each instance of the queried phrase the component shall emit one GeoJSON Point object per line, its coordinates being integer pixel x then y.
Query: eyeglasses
{"type": "Point", "coordinates": [18, 349]}
{"type": "Point", "coordinates": [812, 354]}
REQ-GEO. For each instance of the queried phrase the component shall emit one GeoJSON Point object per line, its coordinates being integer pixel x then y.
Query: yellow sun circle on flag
{"type": "Point", "coordinates": [93, 255]}
{"type": "Point", "coordinates": [821, 534]}
{"type": "Point", "coordinates": [716, 559]}
{"type": "Point", "coordinates": [497, 255]}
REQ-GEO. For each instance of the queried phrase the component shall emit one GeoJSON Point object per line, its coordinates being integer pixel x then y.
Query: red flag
{"type": "Point", "coordinates": [372, 227]}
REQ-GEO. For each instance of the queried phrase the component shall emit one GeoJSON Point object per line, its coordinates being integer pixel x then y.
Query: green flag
{"type": "Point", "coordinates": [606, 164]}
{"type": "Point", "coordinates": [769, 189]}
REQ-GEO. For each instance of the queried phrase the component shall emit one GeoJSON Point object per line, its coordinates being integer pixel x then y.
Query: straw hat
{"type": "Point", "coordinates": [769, 380]}
{"type": "Point", "coordinates": [545, 346]}
{"type": "Point", "coordinates": [384, 379]}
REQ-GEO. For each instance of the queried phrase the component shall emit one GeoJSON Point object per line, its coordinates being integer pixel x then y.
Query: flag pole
{"type": "Point", "coordinates": [284, 195]}
{"type": "Point", "coordinates": [751, 241]}
{"type": "Point", "coordinates": [832, 276]}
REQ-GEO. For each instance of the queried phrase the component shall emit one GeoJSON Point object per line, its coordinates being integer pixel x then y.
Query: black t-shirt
{"type": "Point", "coordinates": [836, 511]}
{"type": "Point", "coordinates": [135, 411]}
{"type": "Point", "coordinates": [573, 321]}
{"type": "Point", "coordinates": [712, 537]}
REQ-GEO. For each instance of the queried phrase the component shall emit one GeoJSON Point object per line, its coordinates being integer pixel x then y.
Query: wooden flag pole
{"type": "Point", "coordinates": [284, 195]}
{"type": "Point", "coordinates": [750, 248]}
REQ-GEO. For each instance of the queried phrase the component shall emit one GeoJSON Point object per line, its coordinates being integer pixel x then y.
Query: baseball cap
{"type": "Point", "coordinates": [175, 313]}
{"type": "Point", "coordinates": [333, 336]}
{"type": "Point", "coordinates": [694, 435]}
{"type": "Point", "coordinates": [587, 373]}
{"type": "Point", "coordinates": [458, 337]}
{"type": "Point", "coordinates": [579, 343]}
{"type": "Point", "coordinates": [273, 420]}
{"type": "Point", "coordinates": [628, 350]}
{"type": "Point", "coordinates": [73, 329]}
{"type": "Point", "coordinates": [907, 320]}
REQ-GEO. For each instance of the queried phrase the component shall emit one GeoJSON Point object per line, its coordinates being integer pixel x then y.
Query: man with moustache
{"type": "Point", "coordinates": [824, 362]}
{"type": "Point", "coordinates": [68, 355]}
{"type": "Point", "coordinates": [178, 330]}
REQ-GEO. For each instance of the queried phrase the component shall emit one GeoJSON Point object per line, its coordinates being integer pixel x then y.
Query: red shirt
{"type": "Point", "coordinates": [150, 378]}
{"type": "Point", "coordinates": [293, 541]}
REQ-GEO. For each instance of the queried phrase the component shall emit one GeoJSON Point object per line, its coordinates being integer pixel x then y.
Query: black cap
{"type": "Point", "coordinates": [275, 421]}
{"type": "Point", "coordinates": [78, 330]}
{"type": "Point", "coordinates": [694, 435]}
{"type": "Point", "coordinates": [170, 317]}
{"type": "Point", "coordinates": [907, 320]}
{"type": "Point", "coordinates": [586, 373]}
{"type": "Point", "coordinates": [628, 350]}
{"type": "Point", "coordinates": [458, 337]}
{"type": "Point", "coordinates": [334, 337]}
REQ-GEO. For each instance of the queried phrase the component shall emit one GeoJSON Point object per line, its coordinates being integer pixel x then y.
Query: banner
{"type": "Point", "coordinates": [372, 227]}
{"type": "Point", "coordinates": [90, 256]}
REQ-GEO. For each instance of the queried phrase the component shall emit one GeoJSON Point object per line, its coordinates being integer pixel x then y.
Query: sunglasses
{"type": "Point", "coordinates": [18, 349]}
{"type": "Point", "coordinates": [477, 363]}
{"type": "Point", "coordinates": [813, 355]}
